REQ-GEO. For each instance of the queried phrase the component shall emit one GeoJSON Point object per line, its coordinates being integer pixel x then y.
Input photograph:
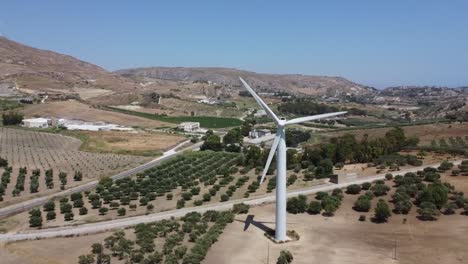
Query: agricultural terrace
{"type": "Point", "coordinates": [205, 121]}
{"type": "Point", "coordinates": [40, 163]}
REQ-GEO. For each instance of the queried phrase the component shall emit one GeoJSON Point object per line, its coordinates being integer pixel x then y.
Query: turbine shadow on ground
{"type": "Point", "coordinates": [260, 225]}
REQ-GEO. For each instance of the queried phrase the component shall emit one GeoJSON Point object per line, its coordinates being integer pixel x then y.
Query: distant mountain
{"type": "Point", "coordinates": [294, 83]}
{"type": "Point", "coordinates": [424, 92]}
{"type": "Point", "coordinates": [42, 70]}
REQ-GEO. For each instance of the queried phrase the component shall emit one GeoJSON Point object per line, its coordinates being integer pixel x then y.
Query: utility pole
{"type": "Point", "coordinates": [268, 252]}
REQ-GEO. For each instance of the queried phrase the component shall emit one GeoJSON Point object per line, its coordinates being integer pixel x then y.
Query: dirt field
{"type": "Point", "coordinates": [75, 110]}
{"type": "Point", "coordinates": [425, 133]}
{"type": "Point", "coordinates": [343, 239]}
{"type": "Point", "coordinates": [87, 93]}
{"type": "Point", "coordinates": [39, 150]}
{"type": "Point", "coordinates": [135, 143]}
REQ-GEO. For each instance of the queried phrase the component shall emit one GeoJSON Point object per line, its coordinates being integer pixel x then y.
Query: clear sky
{"type": "Point", "coordinates": [378, 43]}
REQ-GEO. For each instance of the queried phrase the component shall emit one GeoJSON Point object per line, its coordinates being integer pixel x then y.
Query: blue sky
{"type": "Point", "coordinates": [378, 43]}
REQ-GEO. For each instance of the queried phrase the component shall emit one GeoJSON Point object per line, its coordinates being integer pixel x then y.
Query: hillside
{"type": "Point", "coordinates": [424, 92]}
{"type": "Point", "coordinates": [41, 70]}
{"type": "Point", "coordinates": [227, 77]}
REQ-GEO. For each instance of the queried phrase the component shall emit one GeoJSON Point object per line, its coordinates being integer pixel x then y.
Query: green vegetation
{"type": "Point", "coordinates": [382, 211]}
{"type": "Point", "coordinates": [307, 107]}
{"type": "Point", "coordinates": [205, 121]}
{"type": "Point", "coordinates": [12, 118]}
{"type": "Point", "coordinates": [285, 257]}
{"type": "Point", "coordinates": [6, 104]}
{"type": "Point", "coordinates": [197, 232]}
{"type": "Point", "coordinates": [329, 203]}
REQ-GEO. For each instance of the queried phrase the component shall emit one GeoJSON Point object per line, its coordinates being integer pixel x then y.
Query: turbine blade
{"type": "Point", "coordinates": [260, 101]}
{"type": "Point", "coordinates": [274, 146]}
{"type": "Point", "coordinates": [314, 117]}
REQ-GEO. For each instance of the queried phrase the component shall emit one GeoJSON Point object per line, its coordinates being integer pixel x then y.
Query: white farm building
{"type": "Point", "coordinates": [189, 126]}
{"type": "Point", "coordinates": [36, 122]}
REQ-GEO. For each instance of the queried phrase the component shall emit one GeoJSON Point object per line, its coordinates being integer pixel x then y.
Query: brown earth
{"type": "Point", "coordinates": [343, 239]}
{"type": "Point", "coordinates": [43, 70]}
{"type": "Point", "coordinates": [135, 143]}
{"type": "Point", "coordinates": [72, 109]}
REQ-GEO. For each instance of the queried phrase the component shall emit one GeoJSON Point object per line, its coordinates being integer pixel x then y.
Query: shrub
{"type": "Point", "coordinates": [103, 210]}
{"type": "Point", "coordinates": [51, 215]}
{"type": "Point", "coordinates": [382, 211]}
{"type": "Point", "coordinates": [240, 208]}
{"type": "Point", "coordinates": [297, 205]}
{"type": "Point", "coordinates": [427, 211]}
{"type": "Point", "coordinates": [362, 204]}
{"type": "Point", "coordinates": [315, 207]}
{"type": "Point", "coordinates": [224, 198]}
{"type": "Point", "coordinates": [362, 218]}
{"type": "Point", "coordinates": [12, 118]}
{"type": "Point", "coordinates": [83, 211]}
{"type": "Point", "coordinates": [366, 186]}
{"type": "Point", "coordinates": [330, 204]}
{"type": "Point", "coordinates": [285, 257]}
{"type": "Point", "coordinates": [121, 211]}
{"type": "Point", "coordinates": [380, 189]}
{"type": "Point", "coordinates": [353, 189]}
{"type": "Point", "coordinates": [69, 216]}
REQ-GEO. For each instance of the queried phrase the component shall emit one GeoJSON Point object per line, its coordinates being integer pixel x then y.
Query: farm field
{"type": "Point", "coordinates": [189, 180]}
{"type": "Point", "coordinates": [72, 109]}
{"type": "Point", "coordinates": [205, 121]}
{"type": "Point", "coordinates": [425, 133]}
{"type": "Point", "coordinates": [139, 143]}
{"type": "Point", "coordinates": [41, 151]}
{"type": "Point", "coordinates": [344, 239]}
{"type": "Point", "coordinates": [181, 240]}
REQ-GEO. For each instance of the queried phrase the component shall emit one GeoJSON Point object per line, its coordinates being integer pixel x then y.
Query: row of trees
{"type": "Point", "coordinates": [307, 107]}
{"type": "Point", "coordinates": [329, 203]}
{"type": "Point", "coordinates": [202, 231]}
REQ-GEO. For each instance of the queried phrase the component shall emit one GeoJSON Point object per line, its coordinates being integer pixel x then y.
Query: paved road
{"type": "Point", "coordinates": [24, 206]}
{"type": "Point", "coordinates": [131, 221]}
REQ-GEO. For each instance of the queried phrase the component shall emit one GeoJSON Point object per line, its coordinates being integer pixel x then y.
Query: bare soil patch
{"type": "Point", "coordinates": [75, 110]}
{"type": "Point", "coordinates": [344, 239]}
{"type": "Point", "coordinates": [133, 143]}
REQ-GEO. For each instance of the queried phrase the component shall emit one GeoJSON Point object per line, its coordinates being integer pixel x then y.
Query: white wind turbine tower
{"type": "Point", "coordinates": [279, 146]}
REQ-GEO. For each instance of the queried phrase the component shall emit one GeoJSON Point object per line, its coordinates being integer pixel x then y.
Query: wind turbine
{"type": "Point", "coordinates": [279, 146]}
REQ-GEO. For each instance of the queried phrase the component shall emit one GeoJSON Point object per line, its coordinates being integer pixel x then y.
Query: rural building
{"type": "Point", "coordinates": [189, 126]}
{"type": "Point", "coordinates": [260, 113]}
{"type": "Point", "coordinates": [259, 133]}
{"type": "Point", "coordinates": [36, 122]}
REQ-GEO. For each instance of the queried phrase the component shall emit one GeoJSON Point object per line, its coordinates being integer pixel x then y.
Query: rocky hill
{"type": "Point", "coordinates": [41, 70]}
{"type": "Point", "coordinates": [294, 83]}
{"type": "Point", "coordinates": [424, 92]}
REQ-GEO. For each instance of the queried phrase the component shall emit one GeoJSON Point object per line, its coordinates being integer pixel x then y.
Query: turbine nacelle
{"type": "Point", "coordinates": [281, 122]}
